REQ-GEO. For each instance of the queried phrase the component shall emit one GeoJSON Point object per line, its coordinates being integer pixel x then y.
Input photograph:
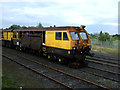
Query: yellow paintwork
{"type": "Point", "coordinates": [65, 44]}
{"type": "Point", "coordinates": [59, 60]}
{"type": "Point", "coordinates": [50, 39]}
{"type": "Point", "coordinates": [4, 35]}
{"type": "Point", "coordinates": [16, 35]}
{"type": "Point", "coordinates": [51, 42]}
{"type": "Point", "coordinates": [7, 35]}
{"type": "Point", "coordinates": [48, 57]}
{"type": "Point", "coordinates": [68, 52]}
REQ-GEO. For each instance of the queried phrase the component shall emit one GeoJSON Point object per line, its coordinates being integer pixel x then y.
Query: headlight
{"type": "Point", "coordinates": [90, 46]}
{"type": "Point", "coordinates": [74, 48]}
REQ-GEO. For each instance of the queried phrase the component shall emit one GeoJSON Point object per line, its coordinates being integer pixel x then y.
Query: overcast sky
{"type": "Point", "coordinates": [96, 15]}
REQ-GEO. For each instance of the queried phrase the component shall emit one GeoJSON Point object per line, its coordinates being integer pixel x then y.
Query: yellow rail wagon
{"type": "Point", "coordinates": [66, 44]}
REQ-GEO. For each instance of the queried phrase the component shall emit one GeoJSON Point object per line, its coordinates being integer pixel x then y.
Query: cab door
{"type": "Point", "coordinates": [58, 39]}
{"type": "Point", "coordinates": [65, 41]}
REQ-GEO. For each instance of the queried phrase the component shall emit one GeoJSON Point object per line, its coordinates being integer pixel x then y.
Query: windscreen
{"type": "Point", "coordinates": [83, 36]}
{"type": "Point", "coordinates": [74, 36]}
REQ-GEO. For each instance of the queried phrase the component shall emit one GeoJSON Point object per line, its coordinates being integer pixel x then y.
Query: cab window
{"type": "Point", "coordinates": [65, 37]}
{"type": "Point", "coordinates": [58, 36]}
{"type": "Point", "coordinates": [83, 36]}
{"type": "Point", "coordinates": [74, 35]}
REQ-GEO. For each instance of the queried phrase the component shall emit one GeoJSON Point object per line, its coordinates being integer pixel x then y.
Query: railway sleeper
{"type": "Point", "coordinates": [77, 65]}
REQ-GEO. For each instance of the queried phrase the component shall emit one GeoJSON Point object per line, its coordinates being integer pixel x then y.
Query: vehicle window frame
{"type": "Point", "coordinates": [2, 35]}
{"type": "Point", "coordinates": [71, 36]}
{"type": "Point", "coordinates": [14, 35]}
{"type": "Point", "coordinates": [56, 36]}
{"type": "Point", "coordinates": [86, 36]}
{"type": "Point", "coordinates": [67, 36]}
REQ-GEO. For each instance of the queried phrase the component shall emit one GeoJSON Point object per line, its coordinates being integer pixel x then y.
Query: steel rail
{"type": "Point", "coordinates": [101, 86]}
{"type": "Point", "coordinates": [65, 72]}
{"type": "Point", "coordinates": [47, 76]}
{"type": "Point", "coordinates": [103, 57]}
{"type": "Point", "coordinates": [102, 63]}
{"type": "Point", "coordinates": [101, 76]}
{"type": "Point", "coordinates": [104, 70]}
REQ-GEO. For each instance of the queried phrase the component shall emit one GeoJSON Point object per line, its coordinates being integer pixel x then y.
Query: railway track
{"type": "Point", "coordinates": [34, 70]}
{"type": "Point", "coordinates": [57, 71]}
{"type": "Point", "coordinates": [114, 73]}
{"type": "Point", "coordinates": [107, 57]}
{"type": "Point", "coordinates": [106, 61]}
{"type": "Point", "coordinates": [82, 70]}
{"type": "Point", "coordinates": [116, 80]}
{"type": "Point", "coordinates": [112, 79]}
{"type": "Point", "coordinates": [102, 63]}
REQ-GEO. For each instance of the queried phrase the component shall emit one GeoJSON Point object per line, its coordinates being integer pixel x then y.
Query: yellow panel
{"type": "Point", "coordinates": [5, 35]}
{"type": "Point", "coordinates": [9, 35]}
{"type": "Point", "coordinates": [66, 43]}
{"type": "Point", "coordinates": [16, 33]}
{"type": "Point", "coordinates": [50, 40]}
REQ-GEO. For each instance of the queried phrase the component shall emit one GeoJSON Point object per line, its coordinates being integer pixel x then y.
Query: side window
{"type": "Point", "coordinates": [14, 34]}
{"type": "Point", "coordinates": [2, 35]}
{"type": "Point", "coordinates": [58, 36]}
{"type": "Point", "coordinates": [65, 37]}
{"type": "Point", "coordinates": [19, 34]}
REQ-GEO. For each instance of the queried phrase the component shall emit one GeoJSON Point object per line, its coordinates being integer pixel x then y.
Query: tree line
{"type": "Point", "coordinates": [104, 36]}
{"type": "Point", "coordinates": [98, 36]}
{"type": "Point", "coordinates": [24, 27]}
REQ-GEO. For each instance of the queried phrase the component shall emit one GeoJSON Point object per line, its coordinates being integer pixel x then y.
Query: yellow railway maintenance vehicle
{"type": "Point", "coordinates": [66, 44]}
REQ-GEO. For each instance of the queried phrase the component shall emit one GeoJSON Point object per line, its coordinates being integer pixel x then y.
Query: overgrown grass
{"type": "Point", "coordinates": [9, 82]}
{"type": "Point", "coordinates": [104, 49]}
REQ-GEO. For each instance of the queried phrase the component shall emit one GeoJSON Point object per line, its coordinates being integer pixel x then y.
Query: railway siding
{"type": "Point", "coordinates": [73, 71]}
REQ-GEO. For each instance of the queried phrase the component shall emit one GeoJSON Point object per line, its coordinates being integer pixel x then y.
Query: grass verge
{"type": "Point", "coordinates": [107, 50]}
{"type": "Point", "coordinates": [9, 82]}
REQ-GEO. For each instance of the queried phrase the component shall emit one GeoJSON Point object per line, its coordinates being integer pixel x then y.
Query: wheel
{"type": "Point", "coordinates": [9, 45]}
{"type": "Point", "coordinates": [39, 53]}
{"type": "Point", "coordinates": [20, 47]}
{"type": "Point", "coordinates": [62, 60]}
{"type": "Point", "coordinates": [50, 56]}
{"type": "Point", "coordinates": [16, 48]}
{"type": "Point", "coordinates": [28, 51]}
{"type": "Point", "coordinates": [24, 49]}
{"type": "Point", "coordinates": [54, 57]}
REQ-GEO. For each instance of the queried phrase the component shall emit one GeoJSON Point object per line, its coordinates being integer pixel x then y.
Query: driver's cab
{"type": "Point", "coordinates": [71, 38]}
{"type": "Point", "coordinates": [79, 38]}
